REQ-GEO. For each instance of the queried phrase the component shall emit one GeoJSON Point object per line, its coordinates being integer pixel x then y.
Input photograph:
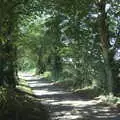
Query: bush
{"type": "Point", "coordinates": [16, 106]}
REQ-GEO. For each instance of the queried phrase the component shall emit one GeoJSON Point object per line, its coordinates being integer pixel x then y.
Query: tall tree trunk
{"type": "Point", "coordinates": [7, 60]}
{"type": "Point", "coordinates": [104, 45]}
{"type": "Point", "coordinates": [57, 67]}
{"type": "Point", "coordinates": [41, 67]}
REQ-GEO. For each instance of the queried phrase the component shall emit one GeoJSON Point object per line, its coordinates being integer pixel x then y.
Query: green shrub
{"type": "Point", "coordinates": [16, 106]}
{"type": "Point", "coordinates": [48, 75]}
{"type": "Point", "coordinates": [110, 99]}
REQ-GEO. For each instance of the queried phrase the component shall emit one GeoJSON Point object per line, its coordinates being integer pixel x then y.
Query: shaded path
{"type": "Point", "coordinates": [67, 106]}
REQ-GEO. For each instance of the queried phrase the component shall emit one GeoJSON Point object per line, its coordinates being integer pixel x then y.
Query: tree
{"type": "Point", "coordinates": [105, 44]}
{"type": "Point", "coordinates": [73, 40]}
{"type": "Point", "coordinates": [9, 14]}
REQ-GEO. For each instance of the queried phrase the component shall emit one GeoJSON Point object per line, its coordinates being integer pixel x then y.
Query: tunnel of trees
{"type": "Point", "coordinates": [74, 41]}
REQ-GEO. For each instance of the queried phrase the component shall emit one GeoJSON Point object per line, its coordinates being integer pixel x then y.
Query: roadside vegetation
{"type": "Point", "coordinates": [17, 105]}
{"type": "Point", "coordinates": [73, 43]}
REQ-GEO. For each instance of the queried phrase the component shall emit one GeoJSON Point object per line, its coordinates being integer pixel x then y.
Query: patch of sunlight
{"type": "Point", "coordinates": [104, 116]}
{"type": "Point", "coordinates": [67, 116]}
{"type": "Point", "coordinates": [25, 77]}
{"type": "Point", "coordinates": [49, 100]}
{"type": "Point", "coordinates": [46, 92]}
{"type": "Point", "coordinates": [28, 76]}
{"type": "Point", "coordinates": [76, 103]}
{"type": "Point", "coordinates": [26, 89]}
{"type": "Point", "coordinates": [36, 84]}
{"type": "Point", "coordinates": [103, 109]}
{"type": "Point", "coordinates": [33, 82]}
{"type": "Point", "coordinates": [23, 85]}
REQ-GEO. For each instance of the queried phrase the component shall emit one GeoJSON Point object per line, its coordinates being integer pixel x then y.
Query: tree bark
{"type": "Point", "coordinates": [104, 45]}
{"type": "Point", "coordinates": [7, 59]}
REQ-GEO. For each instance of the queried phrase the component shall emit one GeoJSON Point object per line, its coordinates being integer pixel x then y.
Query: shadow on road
{"type": "Point", "coordinates": [65, 105]}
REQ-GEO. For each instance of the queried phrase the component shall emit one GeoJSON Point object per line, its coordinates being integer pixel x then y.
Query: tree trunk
{"type": "Point", "coordinates": [56, 66]}
{"type": "Point", "coordinates": [7, 60]}
{"type": "Point", "coordinates": [41, 67]}
{"type": "Point", "coordinates": [104, 45]}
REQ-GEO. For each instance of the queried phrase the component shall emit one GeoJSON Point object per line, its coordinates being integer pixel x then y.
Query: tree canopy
{"type": "Point", "coordinates": [77, 41]}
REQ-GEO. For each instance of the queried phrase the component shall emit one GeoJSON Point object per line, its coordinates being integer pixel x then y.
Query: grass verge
{"type": "Point", "coordinates": [16, 105]}
{"type": "Point", "coordinates": [24, 86]}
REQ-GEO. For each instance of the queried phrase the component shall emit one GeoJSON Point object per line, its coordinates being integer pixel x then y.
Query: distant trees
{"type": "Point", "coordinates": [84, 28]}
{"type": "Point", "coordinates": [75, 40]}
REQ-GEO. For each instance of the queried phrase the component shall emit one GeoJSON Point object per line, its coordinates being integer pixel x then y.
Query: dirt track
{"type": "Point", "coordinates": [67, 106]}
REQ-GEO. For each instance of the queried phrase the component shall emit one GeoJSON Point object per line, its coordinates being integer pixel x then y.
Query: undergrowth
{"type": "Point", "coordinates": [110, 99]}
{"type": "Point", "coordinates": [87, 92]}
{"type": "Point", "coordinates": [19, 106]}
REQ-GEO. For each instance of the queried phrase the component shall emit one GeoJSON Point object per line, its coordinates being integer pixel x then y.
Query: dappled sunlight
{"type": "Point", "coordinates": [36, 84]}
{"type": "Point", "coordinates": [66, 116]}
{"type": "Point", "coordinates": [46, 92]}
{"type": "Point", "coordinates": [65, 105]}
{"type": "Point", "coordinates": [66, 54]}
{"type": "Point", "coordinates": [28, 76]}
{"type": "Point", "coordinates": [76, 103]}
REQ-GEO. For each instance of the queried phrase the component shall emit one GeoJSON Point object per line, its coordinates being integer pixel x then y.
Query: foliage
{"type": "Point", "coordinates": [110, 99]}
{"type": "Point", "coordinates": [48, 75]}
{"type": "Point", "coordinates": [76, 41]}
{"type": "Point", "coordinates": [69, 42]}
{"type": "Point", "coordinates": [16, 106]}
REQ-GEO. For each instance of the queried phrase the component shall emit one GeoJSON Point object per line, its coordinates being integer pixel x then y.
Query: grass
{"type": "Point", "coordinates": [47, 75]}
{"type": "Point", "coordinates": [15, 105]}
{"type": "Point", "coordinates": [110, 99]}
{"type": "Point", "coordinates": [23, 85]}
{"type": "Point", "coordinates": [19, 104]}
{"type": "Point", "coordinates": [87, 92]}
